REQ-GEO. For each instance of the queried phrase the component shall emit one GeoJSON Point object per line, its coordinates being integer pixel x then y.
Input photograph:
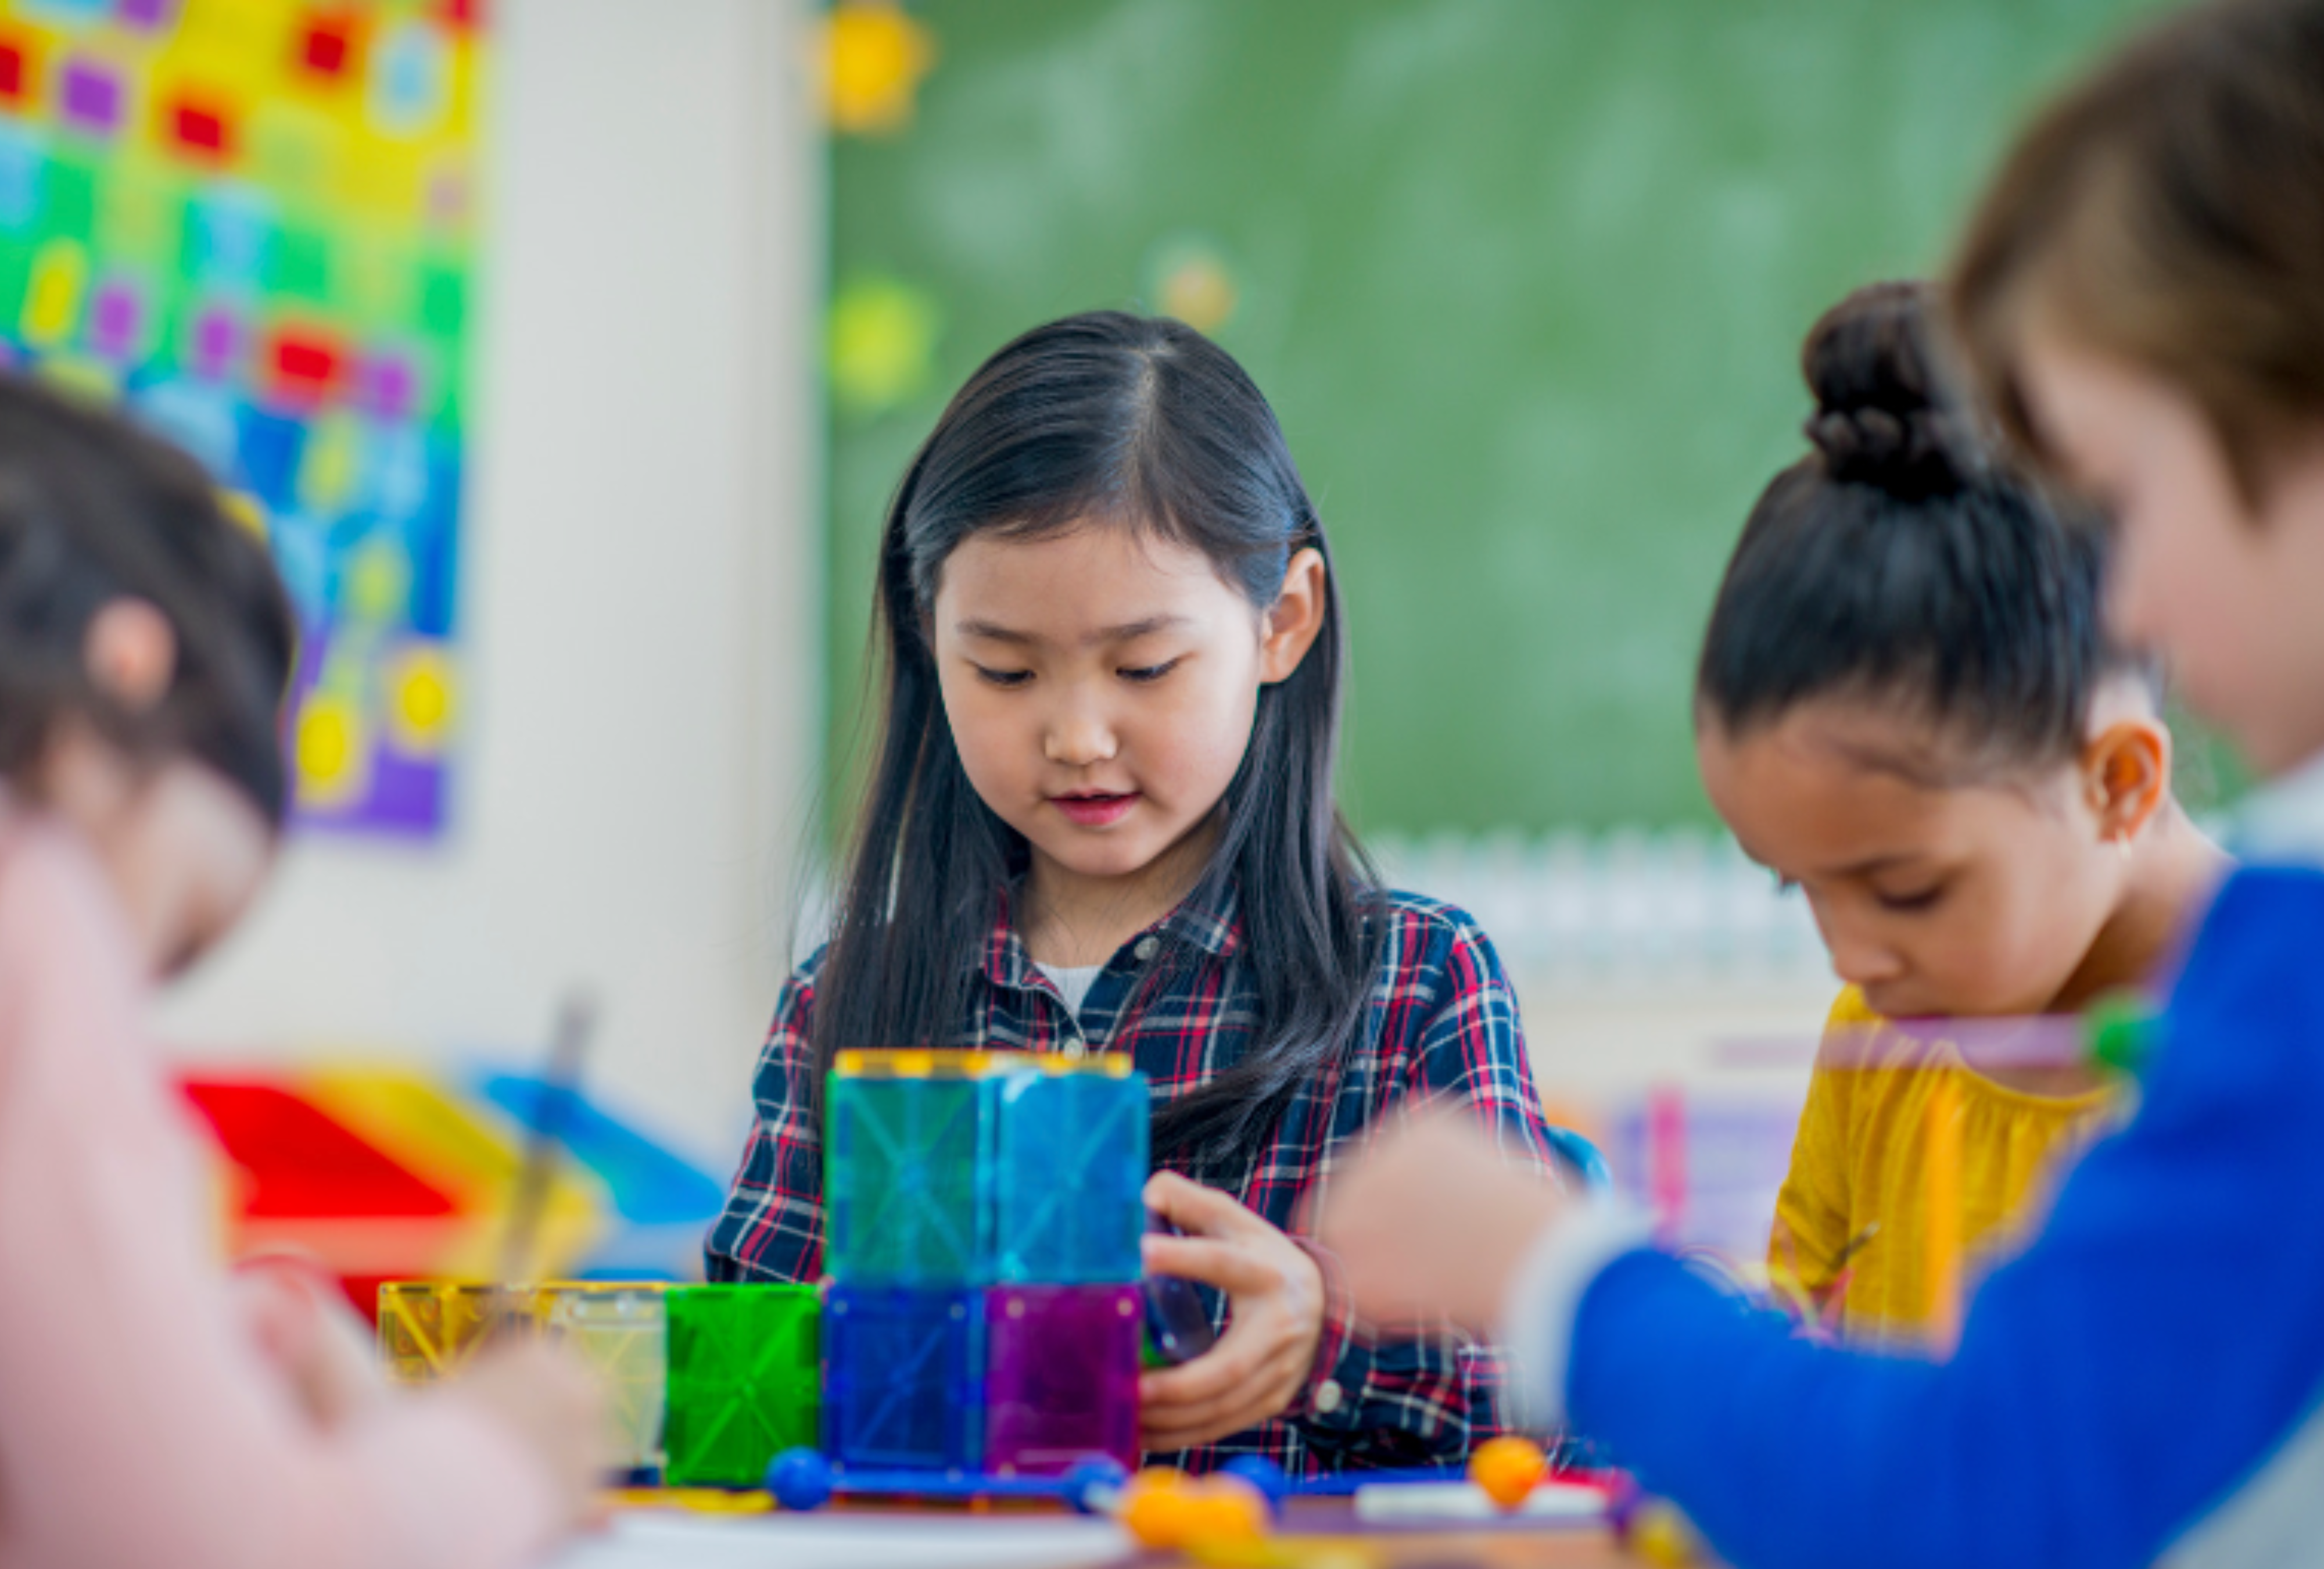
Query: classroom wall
{"type": "Point", "coordinates": [642, 600]}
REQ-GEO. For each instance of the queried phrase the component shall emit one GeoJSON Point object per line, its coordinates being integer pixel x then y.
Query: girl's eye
{"type": "Point", "coordinates": [1142, 673]}
{"type": "Point", "coordinates": [1911, 903]}
{"type": "Point", "coordinates": [1003, 677]}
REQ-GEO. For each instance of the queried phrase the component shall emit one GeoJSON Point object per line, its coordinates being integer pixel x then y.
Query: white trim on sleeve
{"type": "Point", "coordinates": [1536, 1329]}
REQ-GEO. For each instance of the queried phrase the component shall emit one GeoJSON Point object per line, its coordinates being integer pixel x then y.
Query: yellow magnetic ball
{"type": "Point", "coordinates": [1507, 1469]}
{"type": "Point", "coordinates": [1661, 1536]}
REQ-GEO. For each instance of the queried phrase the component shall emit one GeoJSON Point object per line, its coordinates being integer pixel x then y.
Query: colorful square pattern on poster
{"type": "Point", "coordinates": [251, 221]}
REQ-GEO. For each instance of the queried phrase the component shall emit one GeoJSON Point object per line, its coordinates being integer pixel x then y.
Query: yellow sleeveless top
{"type": "Point", "coordinates": [1913, 1174]}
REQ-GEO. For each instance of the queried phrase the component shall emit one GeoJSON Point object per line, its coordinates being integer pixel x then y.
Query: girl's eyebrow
{"type": "Point", "coordinates": [992, 631]}
{"type": "Point", "coordinates": [1876, 864]}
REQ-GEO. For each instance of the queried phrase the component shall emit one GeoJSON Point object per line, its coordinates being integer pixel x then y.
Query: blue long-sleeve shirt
{"type": "Point", "coordinates": [2158, 1352]}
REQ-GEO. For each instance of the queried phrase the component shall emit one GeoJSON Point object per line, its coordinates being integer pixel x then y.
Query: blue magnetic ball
{"type": "Point", "coordinates": [1272, 1479]}
{"type": "Point", "coordinates": [1089, 1478]}
{"type": "Point", "coordinates": [800, 1480]}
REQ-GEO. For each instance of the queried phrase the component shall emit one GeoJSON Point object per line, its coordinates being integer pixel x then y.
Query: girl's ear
{"type": "Point", "coordinates": [131, 653]}
{"type": "Point", "coordinates": [2126, 776]}
{"type": "Point", "coordinates": [1291, 624]}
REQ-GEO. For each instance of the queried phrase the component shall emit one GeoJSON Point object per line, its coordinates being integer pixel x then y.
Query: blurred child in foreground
{"type": "Point", "coordinates": [153, 1409]}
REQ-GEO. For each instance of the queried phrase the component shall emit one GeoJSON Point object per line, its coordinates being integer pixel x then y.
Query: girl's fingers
{"type": "Point", "coordinates": [1230, 1268]}
{"type": "Point", "coordinates": [1262, 1392]}
{"type": "Point", "coordinates": [1186, 1426]}
{"type": "Point", "coordinates": [1246, 1352]}
{"type": "Point", "coordinates": [1217, 1371]}
{"type": "Point", "coordinates": [1196, 1208]}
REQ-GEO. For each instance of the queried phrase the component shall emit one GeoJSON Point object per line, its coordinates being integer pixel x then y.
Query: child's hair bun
{"type": "Point", "coordinates": [1883, 417]}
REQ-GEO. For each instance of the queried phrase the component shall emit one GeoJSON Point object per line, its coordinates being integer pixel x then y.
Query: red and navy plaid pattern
{"type": "Point", "coordinates": [1178, 999]}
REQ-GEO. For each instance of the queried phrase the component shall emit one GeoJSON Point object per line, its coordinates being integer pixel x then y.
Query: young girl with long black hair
{"type": "Point", "coordinates": [1100, 819]}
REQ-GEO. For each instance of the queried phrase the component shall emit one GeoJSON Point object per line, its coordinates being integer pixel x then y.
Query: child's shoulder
{"type": "Point", "coordinates": [1849, 1010]}
{"type": "Point", "coordinates": [2259, 936]}
{"type": "Point", "coordinates": [52, 889]}
{"type": "Point", "coordinates": [1857, 1036]}
{"type": "Point", "coordinates": [1419, 931]}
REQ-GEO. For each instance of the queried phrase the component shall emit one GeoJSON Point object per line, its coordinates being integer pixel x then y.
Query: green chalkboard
{"type": "Point", "coordinates": [1525, 279]}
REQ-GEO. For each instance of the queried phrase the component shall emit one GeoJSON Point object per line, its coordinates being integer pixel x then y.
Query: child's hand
{"type": "Point", "coordinates": [1432, 1220]}
{"type": "Point", "coordinates": [307, 1328]}
{"type": "Point", "coordinates": [1275, 1296]}
{"type": "Point", "coordinates": [554, 1406]}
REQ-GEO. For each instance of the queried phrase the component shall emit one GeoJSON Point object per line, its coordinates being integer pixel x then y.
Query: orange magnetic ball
{"type": "Point", "coordinates": [1507, 1469]}
{"type": "Point", "coordinates": [1154, 1508]}
{"type": "Point", "coordinates": [1223, 1509]}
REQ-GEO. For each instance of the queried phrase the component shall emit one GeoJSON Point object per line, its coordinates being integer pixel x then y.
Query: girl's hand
{"type": "Point", "coordinates": [1431, 1221]}
{"type": "Point", "coordinates": [552, 1404]}
{"type": "Point", "coordinates": [1275, 1297]}
{"type": "Point", "coordinates": [307, 1327]}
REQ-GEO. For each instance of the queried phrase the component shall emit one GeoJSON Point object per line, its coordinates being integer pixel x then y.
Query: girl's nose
{"type": "Point", "coordinates": [1077, 738]}
{"type": "Point", "coordinates": [1856, 958]}
{"type": "Point", "coordinates": [1860, 962]}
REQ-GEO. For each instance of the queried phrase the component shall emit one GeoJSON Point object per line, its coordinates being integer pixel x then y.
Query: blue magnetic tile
{"type": "Point", "coordinates": [903, 1379]}
{"type": "Point", "coordinates": [906, 1162]}
{"type": "Point", "coordinates": [1069, 1178]}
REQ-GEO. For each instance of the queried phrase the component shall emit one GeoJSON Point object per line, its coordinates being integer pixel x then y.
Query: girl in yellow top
{"type": "Point", "coordinates": [1907, 706]}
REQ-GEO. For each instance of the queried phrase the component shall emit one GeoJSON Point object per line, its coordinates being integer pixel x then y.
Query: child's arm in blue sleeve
{"type": "Point", "coordinates": [2148, 1353]}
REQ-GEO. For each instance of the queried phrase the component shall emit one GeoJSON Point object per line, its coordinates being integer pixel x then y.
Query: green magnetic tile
{"type": "Point", "coordinates": [905, 1161]}
{"type": "Point", "coordinates": [745, 1381]}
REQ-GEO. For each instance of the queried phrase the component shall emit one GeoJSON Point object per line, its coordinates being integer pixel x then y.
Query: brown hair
{"type": "Point", "coordinates": [93, 509]}
{"type": "Point", "coordinates": [2170, 211]}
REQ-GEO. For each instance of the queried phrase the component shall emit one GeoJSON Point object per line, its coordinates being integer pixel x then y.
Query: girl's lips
{"type": "Point", "coordinates": [1095, 810]}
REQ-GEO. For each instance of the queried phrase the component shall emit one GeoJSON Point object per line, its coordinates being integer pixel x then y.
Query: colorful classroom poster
{"type": "Point", "coordinates": [252, 221]}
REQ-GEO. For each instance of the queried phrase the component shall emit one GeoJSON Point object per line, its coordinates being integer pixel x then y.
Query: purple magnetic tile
{"type": "Point", "coordinates": [390, 386]}
{"type": "Point", "coordinates": [113, 319]}
{"type": "Point", "coordinates": [146, 14]}
{"type": "Point", "coordinates": [92, 96]}
{"type": "Point", "coordinates": [1061, 1382]}
{"type": "Point", "coordinates": [217, 343]}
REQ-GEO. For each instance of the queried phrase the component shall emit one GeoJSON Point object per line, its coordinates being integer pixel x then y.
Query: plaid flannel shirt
{"type": "Point", "coordinates": [1178, 999]}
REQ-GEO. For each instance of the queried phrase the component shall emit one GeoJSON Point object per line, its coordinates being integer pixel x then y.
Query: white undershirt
{"type": "Point", "coordinates": [1072, 982]}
